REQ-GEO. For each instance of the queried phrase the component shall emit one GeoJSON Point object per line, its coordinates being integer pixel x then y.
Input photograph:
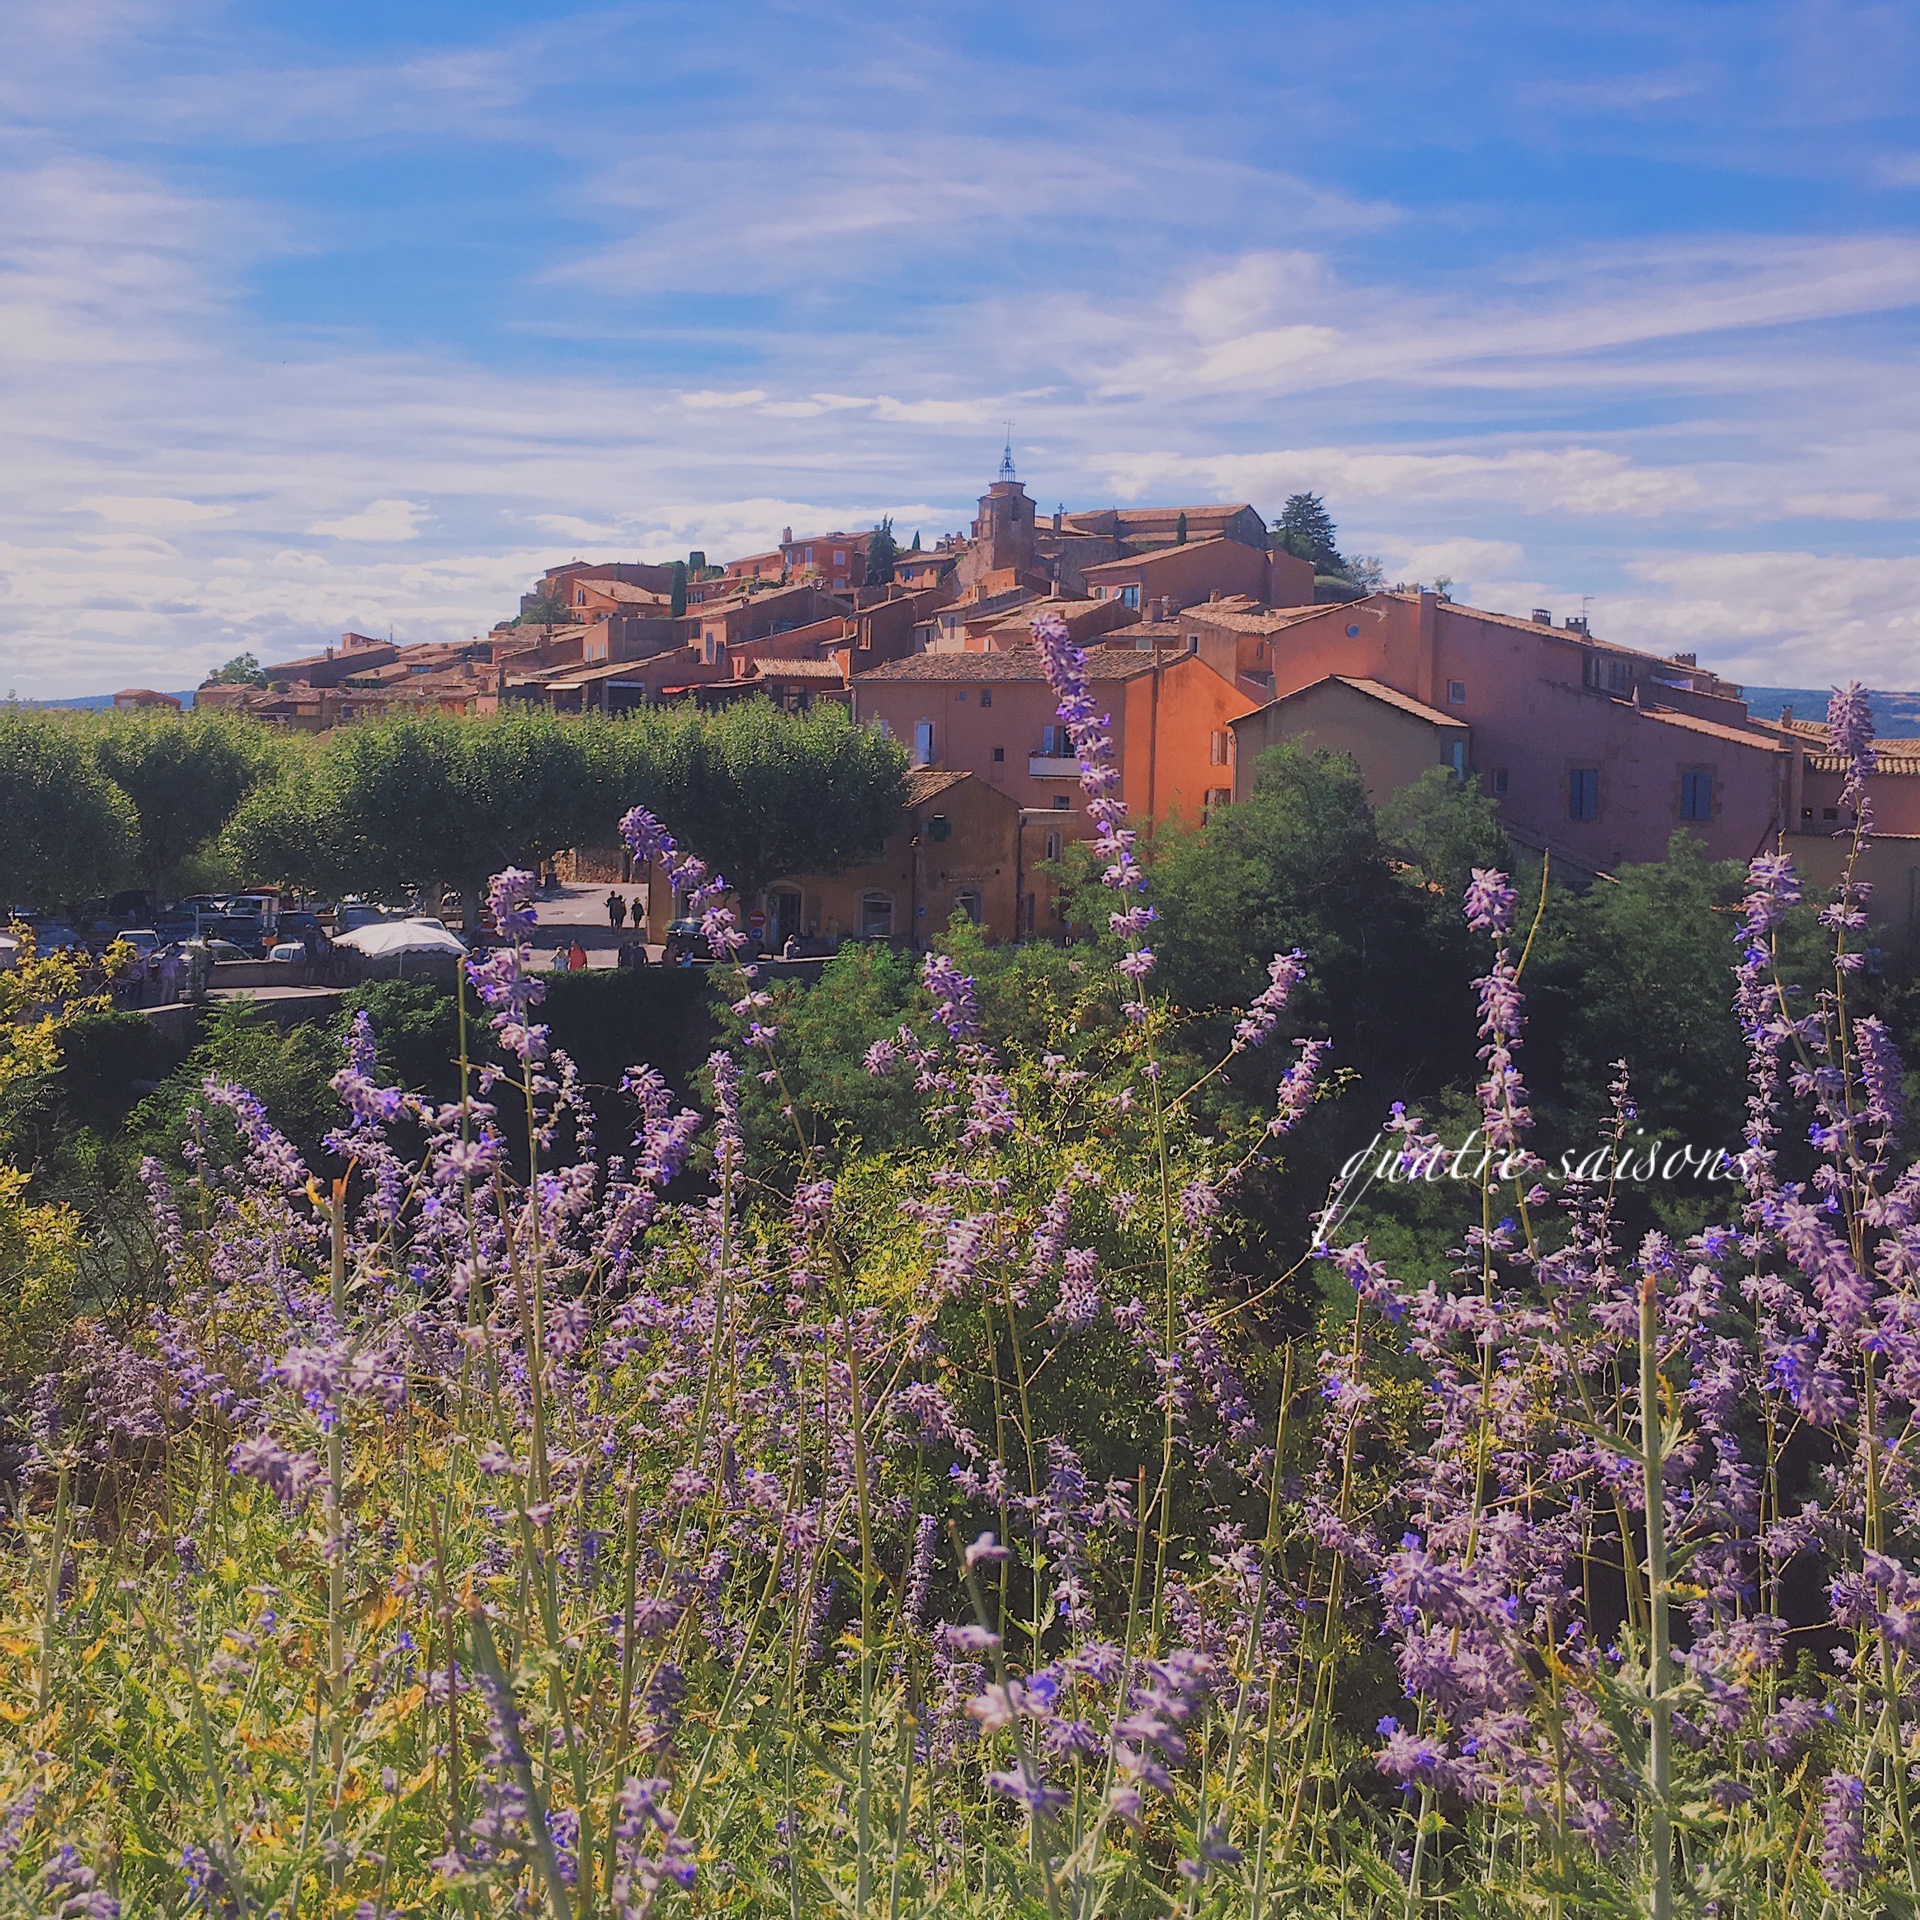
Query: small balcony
{"type": "Point", "coordinates": [1053, 766]}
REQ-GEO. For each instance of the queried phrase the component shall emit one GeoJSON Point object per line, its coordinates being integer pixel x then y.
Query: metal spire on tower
{"type": "Point", "coordinates": [1006, 458]}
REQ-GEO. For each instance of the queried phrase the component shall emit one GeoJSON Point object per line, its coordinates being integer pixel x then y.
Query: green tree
{"type": "Point", "coordinates": [1306, 528]}
{"type": "Point", "coordinates": [678, 604]}
{"type": "Point", "coordinates": [1443, 828]}
{"type": "Point", "coordinates": [543, 613]}
{"type": "Point", "coordinates": [883, 553]}
{"type": "Point", "coordinates": [758, 793]}
{"type": "Point", "coordinates": [436, 800]}
{"type": "Point", "coordinates": [68, 832]}
{"type": "Point", "coordinates": [1638, 969]}
{"type": "Point", "coordinates": [916, 540]}
{"type": "Point", "coordinates": [427, 800]}
{"type": "Point", "coordinates": [243, 670]}
{"type": "Point", "coordinates": [1300, 863]}
{"type": "Point", "coordinates": [185, 774]}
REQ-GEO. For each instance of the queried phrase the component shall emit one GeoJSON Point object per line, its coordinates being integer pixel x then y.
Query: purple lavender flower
{"type": "Point", "coordinates": [1843, 1823]}
{"type": "Point", "coordinates": [1285, 971]}
{"type": "Point", "coordinates": [955, 1004]}
{"type": "Point", "coordinates": [1490, 901]}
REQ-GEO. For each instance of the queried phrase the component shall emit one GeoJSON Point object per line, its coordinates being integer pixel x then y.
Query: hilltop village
{"type": "Point", "coordinates": [1211, 638]}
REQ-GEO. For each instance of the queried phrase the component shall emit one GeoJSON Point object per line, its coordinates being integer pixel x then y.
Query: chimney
{"type": "Point", "coordinates": [1543, 616]}
{"type": "Point", "coordinates": [786, 536]}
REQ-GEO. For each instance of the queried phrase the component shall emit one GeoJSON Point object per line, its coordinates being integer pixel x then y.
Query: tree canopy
{"type": "Point", "coordinates": [677, 603]}
{"type": "Point", "coordinates": [185, 774]}
{"type": "Point", "coordinates": [1306, 528]}
{"type": "Point", "coordinates": [69, 831]}
{"type": "Point", "coordinates": [883, 553]}
{"type": "Point", "coordinates": [431, 799]}
{"type": "Point", "coordinates": [243, 670]}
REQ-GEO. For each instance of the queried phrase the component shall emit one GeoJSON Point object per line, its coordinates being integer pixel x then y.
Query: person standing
{"type": "Point", "coordinates": [576, 957]}
{"type": "Point", "coordinates": [616, 911]}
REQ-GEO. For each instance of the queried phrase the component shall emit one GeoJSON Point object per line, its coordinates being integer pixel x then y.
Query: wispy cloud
{"type": "Point", "coordinates": [382, 344]}
{"type": "Point", "coordinates": [378, 520]}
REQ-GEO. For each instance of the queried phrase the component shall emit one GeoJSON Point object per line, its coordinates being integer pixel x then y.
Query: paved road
{"type": "Point", "coordinates": [581, 911]}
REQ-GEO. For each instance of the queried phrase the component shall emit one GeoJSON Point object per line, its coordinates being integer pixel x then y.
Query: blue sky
{"type": "Point", "coordinates": [330, 315]}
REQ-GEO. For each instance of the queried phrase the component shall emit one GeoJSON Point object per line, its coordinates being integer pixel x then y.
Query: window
{"type": "Point", "coordinates": [1130, 597]}
{"type": "Point", "coordinates": [1217, 748]}
{"type": "Point", "coordinates": [1055, 841]}
{"type": "Point", "coordinates": [1217, 797]}
{"type": "Point", "coordinates": [579, 596]}
{"type": "Point", "coordinates": [839, 558]}
{"type": "Point", "coordinates": [1499, 779]}
{"type": "Point", "coordinates": [1583, 794]}
{"type": "Point", "coordinates": [961, 696]}
{"type": "Point", "coordinates": [876, 916]}
{"type": "Point", "coordinates": [1617, 676]}
{"type": "Point", "coordinates": [809, 556]}
{"type": "Point", "coordinates": [1456, 693]}
{"type": "Point", "coordinates": [707, 650]}
{"type": "Point", "coordinates": [923, 744]}
{"type": "Point", "coordinates": [1061, 803]}
{"type": "Point", "coordinates": [1055, 743]}
{"type": "Point", "coordinates": [939, 828]}
{"type": "Point", "coordinates": [999, 756]}
{"type": "Point", "coordinates": [986, 696]}
{"type": "Point", "coordinates": [1696, 796]}
{"type": "Point", "coordinates": [968, 902]}
{"type": "Point", "coordinates": [1457, 759]}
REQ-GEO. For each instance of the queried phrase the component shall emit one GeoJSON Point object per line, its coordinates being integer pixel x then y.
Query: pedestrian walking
{"type": "Point", "coordinates": [616, 911]}
{"type": "Point", "coordinates": [576, 957]}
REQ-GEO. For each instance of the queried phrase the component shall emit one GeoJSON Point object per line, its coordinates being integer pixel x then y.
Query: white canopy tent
{"type": "Point", "coordinates": [396, 940]}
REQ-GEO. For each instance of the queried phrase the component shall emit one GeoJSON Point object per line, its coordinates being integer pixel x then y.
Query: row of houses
{"type": "Point", "coordinates": [1207, 644]}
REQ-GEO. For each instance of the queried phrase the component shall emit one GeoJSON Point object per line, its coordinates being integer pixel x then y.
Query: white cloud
{"type": "Point", "coordinates": [378, 520]}
{"type": "Point", "coordinates": [575, 528]}
{"type": "Point", "coordinates": [1780, 619]}
{"type": "Point", "coordinates": [1587, 480]}
{"type": "Point", "coordinates": [935, 413]}
{"type": "Point", "coordinates": [708, 398]}
{"type": "Point", "coordinates": [1843, 506]}
{"type": "Point", "coordinates": [1465, 562]}
{"type": "Point", "coordinates": [152, 510]}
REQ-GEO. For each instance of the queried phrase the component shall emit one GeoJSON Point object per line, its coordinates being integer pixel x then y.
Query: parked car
{"type": "Point", "coordinates": [143, 940]}
{"type": "Point", "coordinates": [356, 914]}
{"type": "Point", "coordinates": [302, 926]}
{"type": "Point", "coordinates": [685, 943]}
{"type": "Point", "coordinates": [288, 951]}
{"type": "Point", "coordinates": [226, 950]}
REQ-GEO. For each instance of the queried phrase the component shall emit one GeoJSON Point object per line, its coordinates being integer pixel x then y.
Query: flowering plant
{"type": "Point", "coordinates": [508, 1524]}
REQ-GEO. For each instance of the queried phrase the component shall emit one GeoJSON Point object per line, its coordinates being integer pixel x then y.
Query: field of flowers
{"type": "Point", "coordinates": [522, 1522]}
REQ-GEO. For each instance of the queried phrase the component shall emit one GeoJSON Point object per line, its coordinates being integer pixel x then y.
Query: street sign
{"type": "Point", "coordinates": [757, 920]}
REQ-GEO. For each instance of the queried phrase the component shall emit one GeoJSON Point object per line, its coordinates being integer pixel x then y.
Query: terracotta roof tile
{"type": "Point", "coordinates": [927, 783]}
{"type": "Point", "coordinates": [1015, 663]}
{"type": "Point", "coordinates": [1761, 739]}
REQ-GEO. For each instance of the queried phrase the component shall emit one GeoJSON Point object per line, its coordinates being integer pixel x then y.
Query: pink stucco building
{"type": "Point", "coordinates": [1596, 751]}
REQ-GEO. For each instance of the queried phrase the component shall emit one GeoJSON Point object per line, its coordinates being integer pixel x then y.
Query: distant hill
{"type": "Point", "coordinates": [1896, 716]}
{"type": "Point", "coordinates": [94, 702]}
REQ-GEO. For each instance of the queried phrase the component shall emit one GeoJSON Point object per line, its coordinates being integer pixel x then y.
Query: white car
{"type": "Point", "coordinates": [288, 950]}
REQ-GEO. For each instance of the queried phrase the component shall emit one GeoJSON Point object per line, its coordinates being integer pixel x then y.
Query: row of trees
{"type": "Point", "coordinates": [94, 801]}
